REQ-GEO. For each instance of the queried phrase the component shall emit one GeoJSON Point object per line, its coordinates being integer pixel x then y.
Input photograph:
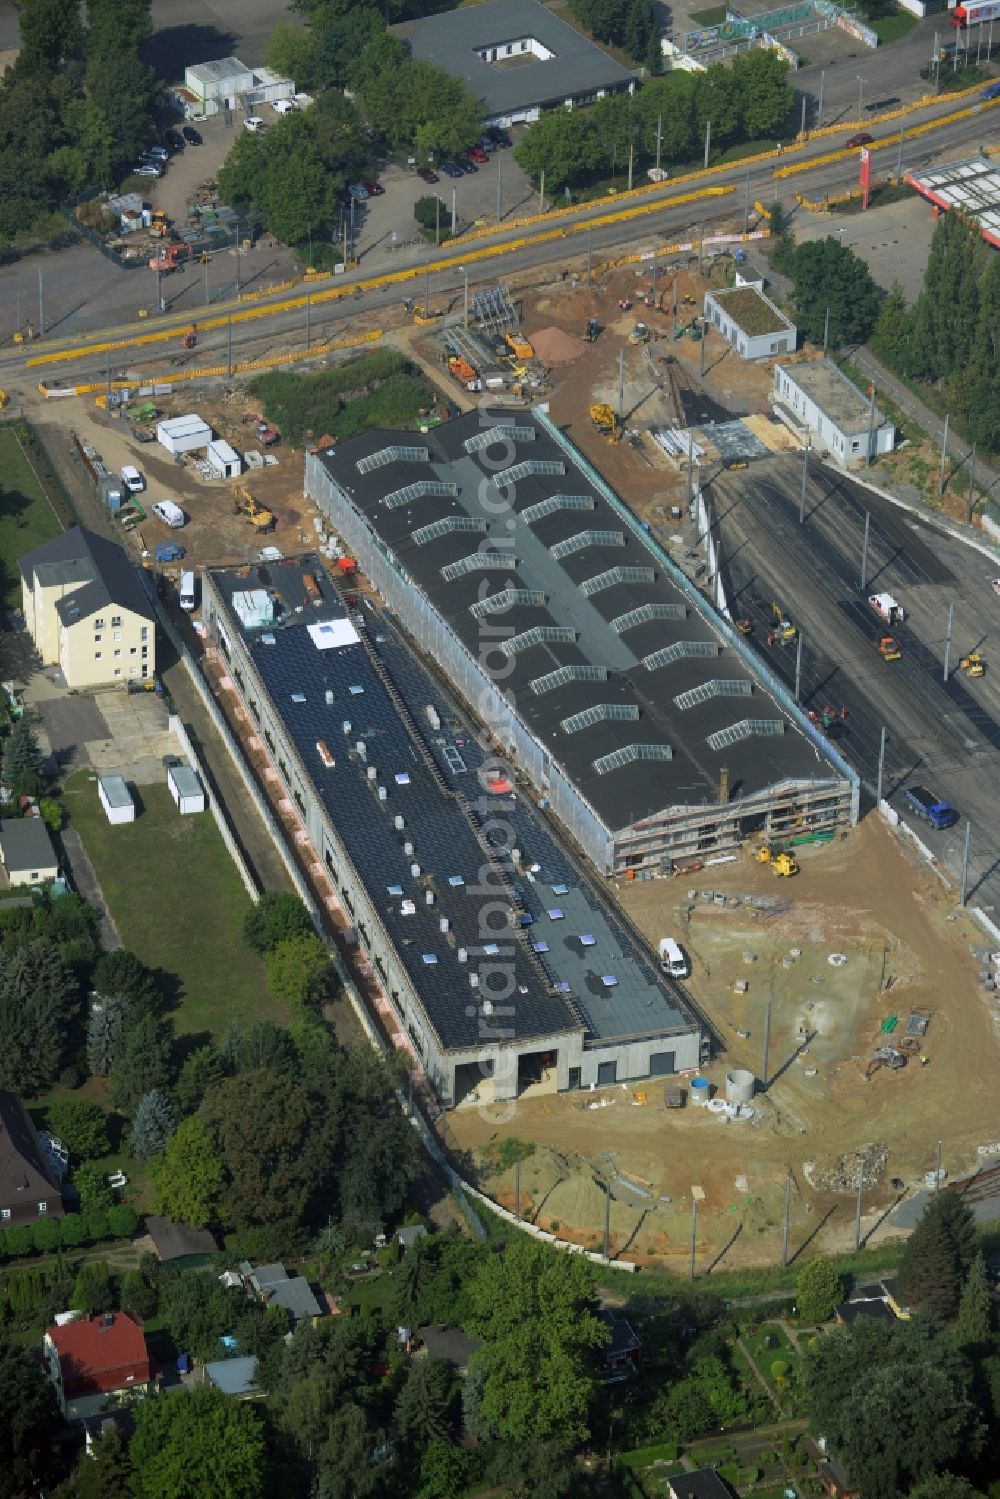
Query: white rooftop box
{"type": "Point", "coordinates": [116, 799]}
{"type": "Point", "coordinates": [223, 460]}
{"type": "Point", "coordinates": [183, 434]}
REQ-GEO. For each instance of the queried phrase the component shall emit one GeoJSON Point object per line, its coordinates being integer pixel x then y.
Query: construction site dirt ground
{"type": "Point", "coordinates": [905, 948]}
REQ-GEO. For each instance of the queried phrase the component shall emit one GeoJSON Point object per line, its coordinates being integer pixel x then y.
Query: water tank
{"type": "Point", "coordinates": [740, 1085]}
{"type": "Point", "coordinates": [701, 1090]}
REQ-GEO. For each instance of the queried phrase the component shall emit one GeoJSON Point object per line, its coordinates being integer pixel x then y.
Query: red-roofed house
{"type": "Point", "coordinates": [95, 1360]}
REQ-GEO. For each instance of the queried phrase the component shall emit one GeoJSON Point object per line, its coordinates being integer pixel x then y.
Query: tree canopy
{"type": "Point", "coordinates": [828, 277]}
{"type": "Point", "coordinates": [205, 1443]}
{"type": "Point", "coordinates": [938, 1255]}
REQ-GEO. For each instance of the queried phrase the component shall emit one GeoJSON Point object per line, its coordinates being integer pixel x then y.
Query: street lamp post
{"type": "Point", "coordinates": [465, 274]}
{"type": "Point", "coordinates": [861, 93]}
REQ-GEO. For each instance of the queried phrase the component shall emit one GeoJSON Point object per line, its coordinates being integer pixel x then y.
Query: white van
{"type": "Point", "coordinates": [672, 959]}
{"type": "Point", "coordinates": [170, 514]}
{"type": "Point", "coordinates": [186, 592]}
{"type": "Point", "coordinates": [254, 124]}
{"type": "Point", "coordinates": [132, 479]}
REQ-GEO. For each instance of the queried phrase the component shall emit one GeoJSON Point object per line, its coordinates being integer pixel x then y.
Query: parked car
{"type": "Point", "coordinates": [373, 189]}
{"type": "Point", "coordinates": [132, 479]}
{"type": "Point", "coordinates": [991, 91]}
{"type": "Point", "coordinates": [254, 124]}
{"type": "Point", "coordinates": [469, 167]}
{"type": "Point", "coordinates": [450, 169]}
{"type": "Point", "coordinates": [426, 175]}
{"type": "Point", "coordinates": [191, 135]}
{"type": "Point", "coordinates": [159, 152]}
{"type": "Point", "coordinates": [146, 169]}
{"type": "Point", "coordinates": [284, 106]}
{"type": "Point", "coordinates": [499, 137]}
{"type": "Point", "coordinates": [358, 192]}
{"type": "Point", "coordinates": [478, 154]}
{"type": "Point", "coordinates": [174, 140]}
{"type": "Point", "coordinates": [170, 514]}
{"type": "Point", "coordinates": [861, 139]}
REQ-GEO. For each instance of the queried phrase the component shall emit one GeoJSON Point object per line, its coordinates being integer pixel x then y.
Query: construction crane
{"type": "Point", "coordinates": [606, 422]}
{"type": "Point", "coordinates": [244, 504]}
{"type": "Point", "coordinates": [888, 648]}
{"type": "Point", "coordinates": [783, 631]}
{"type": "Point", "coordinates": [973, 663]}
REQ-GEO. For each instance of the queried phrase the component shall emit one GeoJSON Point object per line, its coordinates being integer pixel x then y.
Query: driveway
{"type": "Point", "coordinates": [70, 724]}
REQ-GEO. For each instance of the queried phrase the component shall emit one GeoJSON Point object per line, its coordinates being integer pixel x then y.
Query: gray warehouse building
{"type": "Point", "coordinates": [499, 963]}
{"type": "Point", "coordinates": [517, 57]}
{"type": "Point", "coordinates": [643, 719]}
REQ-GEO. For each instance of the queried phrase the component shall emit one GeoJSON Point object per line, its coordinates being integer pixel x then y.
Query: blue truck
{"type": "Point", "coordinates": [930, 807]}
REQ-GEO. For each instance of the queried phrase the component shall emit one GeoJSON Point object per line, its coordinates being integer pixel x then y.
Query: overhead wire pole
{"type": "Point", "coordinates": [944, 452]}
{"type": "Point", "coordinates": [826, 331]}
{"type": "Point", "coordinates": [972, 470]}
{"type": "Point", "coordinates": [229, 344]}
{"type": "Point", "coordinates": [621, 386]}
{"type": "Point", "coordinates": [798, 666]}
{"type": "Point", "coordinates": [881, 769]}
{"type": "Point", "coordinates": [805, 480]}
{"type": "Point", "coordinates": [694, 1236]}
{"type": "Point", "coordinates": [607, 1222]}
{"type": "Point", "coordinates": [746, 206]}
{"type": "Point", "coordinates": [541, 192]}
{"type": "Point", "coordinates": [659, 139]}
{"type": "Point", "coordinates": [784, 1230]}
{"type": "Point", "coordinates": [765, 1048]}
{"type": "Point", "coordinates": [41, 305]}
{"type": "Point", "coordinates": [864, 550]}
{"type": "Point", "coordinates": [708, 142]}
{"type": "Point", "coordinates": [499, 189]}
{"type": "Point", "coordinates": [308, 321]}
{"type": "Point", "coordinates": [819, 110]}
{"type": "Point", "coordinates": [947, 641]}
{"type": "Point", "coordinates": [590, 255]}
{"type": "Point", "coordinates": [964, 894]}
{"type": "Point", "coordinates": [937, 1171]}
{"type": "Point", "coordinates": [857, 1216]}
{"type": "Point", "coordinates": [899, 156]}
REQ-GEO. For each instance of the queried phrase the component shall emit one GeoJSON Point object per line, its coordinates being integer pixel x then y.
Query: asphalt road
{"type": "Point", "coordinates": [944, 734]}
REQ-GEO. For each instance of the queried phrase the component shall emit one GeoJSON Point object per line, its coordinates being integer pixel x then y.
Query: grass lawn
{"type": "Point", "coordinates": [26, 517]}
{"type": "Point", "coordinates": [891, 28]}
{"type": "Point", "coordinates": [179, 904]}
{"type": "Point", "coordinates": [714, 16]}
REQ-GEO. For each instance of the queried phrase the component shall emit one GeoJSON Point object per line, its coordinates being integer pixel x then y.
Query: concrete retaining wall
{"type": "Point", "coordinates": [177, 728]}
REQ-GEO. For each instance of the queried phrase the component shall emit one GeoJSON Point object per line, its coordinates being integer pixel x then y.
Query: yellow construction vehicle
{"type": "Point", "coordinates": [244, 504]}
{"type": "Point", "coordinates": [973, 663]}
{"type": "Point", "coordinates": [4, 398]}
{"type": "Point", "coordinates": [606, 422]}
{"type": "Point", "coordinates": [781, 862]}
{"type": "Point", "coordinates": [888, 648]}
{"type": "Point", "coordinates": [639, 334]}
{"type": "Point", "coordinates": [519, 347]}
{"type": "Point", "coordinates": [783, 632]}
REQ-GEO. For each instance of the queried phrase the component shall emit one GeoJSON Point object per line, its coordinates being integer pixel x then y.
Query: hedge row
{"type": "Point", "coordinates": [644, 1457]}
{"type": "Point", "coordinates": [75, 1231]}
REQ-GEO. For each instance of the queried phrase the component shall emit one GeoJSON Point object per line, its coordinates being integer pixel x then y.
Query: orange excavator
{"type": "Point", "coordinates": [190, 338]}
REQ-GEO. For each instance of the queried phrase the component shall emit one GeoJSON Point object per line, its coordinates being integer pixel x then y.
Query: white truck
{"type": "Point", "coordinates": [886, 608]}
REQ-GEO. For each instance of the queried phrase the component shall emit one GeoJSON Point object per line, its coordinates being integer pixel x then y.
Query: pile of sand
{"type": "Point", "coordinates": [554, 346]}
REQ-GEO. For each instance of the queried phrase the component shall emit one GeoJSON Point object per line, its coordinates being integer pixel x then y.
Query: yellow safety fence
{"type": "Point", "coordinates": [204, 372]}
{"type": "Point", "coordinates": [827, 205]}
{"type": "Point", "coordinates": [882, 145]}
{"type": "Point", "coordinates": [893, 114]}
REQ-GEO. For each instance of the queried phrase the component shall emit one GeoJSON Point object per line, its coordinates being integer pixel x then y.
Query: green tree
{"type": "Point", "coordinates": [277, 917]}
{"type": "Point", "coordinates": [81, 1126]}
{"type": "Point", "coordinates": [201, 1070]}
{"type": "Point", "coordinates": [299, 970]}
{"type": "Point", "coordinates": [719, 102]}
{"type": "Point", "coordinates": [766, 96]}
{"type": "Point", "coordinates": [261, 1124]}
{"type": "Point", "coordinates": [22, 759]}
{"type": "Point", "coordinates": [819, 1290]}
{"type": "Point", "coordinates": [688, 1410]}
{"type": "Point", "coordinates": [974, 1324]}
{"type": "Point", "coordinates": [93, 1291]}
{"type": "Point", "coordinates": [828, 276]}
{"type": "Point", "coordinates": [891, 336]}
{"type": "Point", "coordinates": [903, 1423]}
{"type": "Point", "coordinates": [346, 1461]}
{"type": "Point", "coordinates": [50, 31]}
{"type": "Point", "coordinates": [29, 1419]}
{"type": "Point", "coordinates": [250, 1046]}
{"type": "Point", "coordinates": [188, 1176]}
{"type": "Point", "coordinates": [91, 1183]}
{"type": "Point", "coordinates": [45, 1235]}
{"type": "Point", "coordinates": [939, 1255]}
{"type": "Point", "coordinates": [666, 106]}
{"type": "Point", "coordinates": [104, 1035]}
{"type": "Point", "coordinates": [411, 1281]}
{"type": "Point", "coordinates": [105, 1472]}
{"type": "Point", "coordinates": [122, 974]}
{"type": "Point", "coordinates": [944, 1486]}
{"type": "Point", "coordinates": [562, 144]}
{"type": "Point", "coordinates": [640, 29]}
{"type": "Point", "coordinates": [205, 1443]}
{"type": "Point", "coordinates": [421, 1410]}
{"type": "Point", "coordinates": [152, 1124]}
{"type": "Point", "coordinates": [536, 1313]}
{"type": "Point", "coordinates": [444, 1471]}
{"type": "Point", "coordinates": [292, 53]}
{"type": "Point", "coordinates": [142, 1062]}
{"type": "Point", "coordinates": [51, 813]}
{"type": "Point", "coordinates": [39, 1000]}
{"type": "Point", "coordinates": [197, 1311]}
{"type": "Point", "coordinates": [138, 1295]}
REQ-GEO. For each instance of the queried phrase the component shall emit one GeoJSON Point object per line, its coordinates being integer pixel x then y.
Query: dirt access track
{"type": "Point", "coordinates": [906, 950]}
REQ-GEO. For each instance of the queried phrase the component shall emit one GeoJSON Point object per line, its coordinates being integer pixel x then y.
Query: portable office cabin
{"type": "Point", "coordinates": [186, 789]}
{"type": "Point", "coordinates": [223, 460]}
{"type": "Point", "coordinates": [183, 434]}
{"type": "Point", "coordinates": [116, 799]}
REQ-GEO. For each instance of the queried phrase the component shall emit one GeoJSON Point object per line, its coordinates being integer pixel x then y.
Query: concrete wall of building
{"type": "Point", "coordinates": [106, 649]}
{"type": "Point", "coordinates": [748, 346]}
{"type": "Point", "coordinates": [849, 446]}
{"type": "Point", "coordinates": [41, 617]}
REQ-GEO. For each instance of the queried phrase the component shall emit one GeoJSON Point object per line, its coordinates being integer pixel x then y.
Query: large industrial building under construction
{"type": "Point", "coordinates": [642, 717]}
{"type": "Point", "coordinates": [491, 956]}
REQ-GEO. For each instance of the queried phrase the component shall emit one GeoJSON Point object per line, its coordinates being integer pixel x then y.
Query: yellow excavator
{"type": "Point", "coordinates": [782, 632]}
{"type": "Point", "coordinates": [258, 515]}
{"type": "Point", "coordinates": [606, 422]}
{"type": "Point", "coordinates": [974, 664]}
{"type": "Point", "coordinates": [781, 862]}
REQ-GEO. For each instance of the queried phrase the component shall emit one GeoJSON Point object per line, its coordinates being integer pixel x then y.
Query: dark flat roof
{"type": "Point", "coordinates": [703, 1483]}
{"type": "Point", "coordinates": [455, 38]}
{"type": "Point", "coordinates": [559, 555]}
{"type": "Point", "coordinates": [554, 901]}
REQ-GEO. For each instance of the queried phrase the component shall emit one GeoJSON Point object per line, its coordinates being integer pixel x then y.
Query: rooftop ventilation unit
{"type": "Point", "coordinates": [628, 755]}
{"type": "Point", "coordinates": [392, 455]}
{"type": "Point", "coordinates": [645, 614]}
{"type": "Point", "coordinates": [499, 603]}
{"type": "Point", "coordinates": [553, 504]}
{"type": "Point", "coordinates": [419, 491]}
{"type": "Point", "coordinates": [584, 539]}
{"type": "Point", "coordinates": [748, 728]}
{"type": "Point", "coordinates": [530, 468]}
{"type": "Point", "coordinates": [445, 525]}
{"type": "Point", "coordinates": [740, 687]}
{"type": "Point", "coordinates": [598, 713]}
{"type": "Point", "coordinates": [615, 575]}
{"type": "Point", "coordinates": [493, 436]}
{"type": "Point", "coordinates": [678, 651]}
{"type": "Point", "coordinates": [566, 674]}
{"type": "Point", "coordinates": [540, 635]}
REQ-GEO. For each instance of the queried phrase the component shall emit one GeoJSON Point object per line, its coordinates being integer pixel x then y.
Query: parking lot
{"type": "Point", "coordinates": [944, 734]}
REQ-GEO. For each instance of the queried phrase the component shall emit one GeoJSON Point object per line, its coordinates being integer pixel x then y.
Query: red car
{"type": "Point", "coordinates": [426, 175]}
{"type": "Point", "coordinates": [861, 139]}
{"type": "Point", "coordinates": [477, 154]}
{"type": "Point", "coordinates": [373, 189]}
